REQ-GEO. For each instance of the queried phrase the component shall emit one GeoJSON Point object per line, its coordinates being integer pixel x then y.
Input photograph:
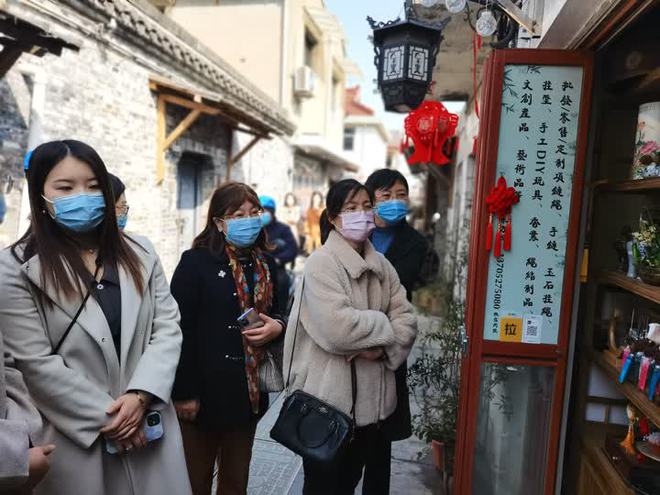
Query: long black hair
{"type": "Point", "coordinates": [339, 193]}
{"type": "Point", "coordinates": [57, 249]}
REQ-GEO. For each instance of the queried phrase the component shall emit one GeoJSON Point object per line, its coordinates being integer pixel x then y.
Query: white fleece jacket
{"type": "Point", "coordinates": [349, 303]}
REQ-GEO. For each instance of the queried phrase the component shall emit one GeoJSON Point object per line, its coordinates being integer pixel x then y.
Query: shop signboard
{"type": "Point", "coordinates": [532, 133]}
{"type": "Point", "coordinates": [536, 155]}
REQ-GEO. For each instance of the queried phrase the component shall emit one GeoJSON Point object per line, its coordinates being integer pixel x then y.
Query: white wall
{"type": "Point", "coordinates": [268, 166]}
{"type": "Point", "coordinates": [369, 151]}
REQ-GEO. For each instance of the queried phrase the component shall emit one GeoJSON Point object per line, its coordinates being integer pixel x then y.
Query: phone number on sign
{"type": "Point", "coordinates": [497, 294]}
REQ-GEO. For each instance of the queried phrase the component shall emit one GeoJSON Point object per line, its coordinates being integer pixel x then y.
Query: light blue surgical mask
{"type": "Point", "coordinates": [243, 232]}
{"type": "Point", "coordinates": [122, 220]}
{"type": "Point", "coordinates": [392, 211]}
{"type": "Point", "coordinates": [266, 218]}
{"type": "Point", "coordinates": [79, 212]}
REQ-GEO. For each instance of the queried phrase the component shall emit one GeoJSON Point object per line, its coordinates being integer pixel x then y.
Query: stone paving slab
{"type": "Point", "coordinates": [267, 422]}
{"type": "Point", "coordinates": [274, 468]}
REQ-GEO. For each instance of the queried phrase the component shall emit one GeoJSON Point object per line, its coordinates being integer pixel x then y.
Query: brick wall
{"type": "Point", "coordinates": [102, 97]}
{"type": "Point", "coordinates": [14, 114]}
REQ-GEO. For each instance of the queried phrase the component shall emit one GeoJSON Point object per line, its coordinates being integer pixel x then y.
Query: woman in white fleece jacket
{"type": "Point", "coordinates": [352, 307]}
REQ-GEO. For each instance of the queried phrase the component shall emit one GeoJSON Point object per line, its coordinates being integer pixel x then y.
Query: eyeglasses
{"type": "Point", "coordinates": [122, 210]}
{"type": "Point", "coordinates": [239, 216]}
{"type": "Point", "coordinates": [354, 209]}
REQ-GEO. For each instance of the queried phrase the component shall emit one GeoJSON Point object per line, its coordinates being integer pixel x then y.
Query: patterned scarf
{"type": "Point", "coordinates": [261, 301]}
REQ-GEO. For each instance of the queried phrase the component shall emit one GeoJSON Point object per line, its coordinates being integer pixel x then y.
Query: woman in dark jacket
{"type": "Point", "coordinates": [406, 249]}
{"type": "Point", "coordinates": [216, 391]}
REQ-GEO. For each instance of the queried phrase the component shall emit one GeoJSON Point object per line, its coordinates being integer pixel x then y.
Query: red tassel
{"type": "Point", "coordinates": [489, 234]}
{"type": "Point", "coordinates": [498, 241]}
{"type": "Point", "coordinates": [507, 234]}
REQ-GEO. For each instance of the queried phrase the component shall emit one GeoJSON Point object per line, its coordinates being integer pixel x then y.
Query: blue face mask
{"type": "Point", "coordinates": [266, 218]}
{"type": "Point", "coordinates": [243, 232]}
{"type": "Point", "coordinates": [122, 220]}
{"type": "Point", "coordinates": [80, 212]}
{"type": "Point", "coordinates": [392, 211]}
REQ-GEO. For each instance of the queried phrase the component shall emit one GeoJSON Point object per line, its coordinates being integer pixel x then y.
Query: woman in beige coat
{"type": "Point", "coordinates": [94, 385]}
{"type": "Point", "coordinates": [352, 307]}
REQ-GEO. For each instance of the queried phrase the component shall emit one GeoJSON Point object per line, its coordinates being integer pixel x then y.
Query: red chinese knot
{"type": "Point", "coordinates": [500, 202]}
{"type": "Point", "coordinates": [429, 126]}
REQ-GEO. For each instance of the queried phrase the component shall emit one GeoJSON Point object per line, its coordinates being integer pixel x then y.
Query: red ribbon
{"type": "Point", "coordinates": [500, 202]}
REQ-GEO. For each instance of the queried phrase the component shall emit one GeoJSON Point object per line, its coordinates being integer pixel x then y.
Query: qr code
{"type": "Point", "coordinates": [532, 330]}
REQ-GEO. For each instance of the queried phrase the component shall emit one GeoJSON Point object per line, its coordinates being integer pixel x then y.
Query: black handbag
{"type": "Point", "coordinates": [309, 427]}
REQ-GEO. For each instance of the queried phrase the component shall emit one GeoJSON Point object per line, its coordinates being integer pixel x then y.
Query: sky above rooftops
{"type": "Point", "coordinates": [353, 16]}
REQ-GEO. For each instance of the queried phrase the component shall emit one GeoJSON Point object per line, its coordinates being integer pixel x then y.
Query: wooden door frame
{"type": "Point", "coordinates": [531, 354]}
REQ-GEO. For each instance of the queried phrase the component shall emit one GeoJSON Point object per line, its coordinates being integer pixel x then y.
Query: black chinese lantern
{"type": "Point", "coordinates": [405, 57]}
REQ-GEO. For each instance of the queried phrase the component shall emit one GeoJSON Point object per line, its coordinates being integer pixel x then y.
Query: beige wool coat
{"type": "Point", "coordinates": [73, 389]}
{"type": "Point", "coordinates": [20, 424]}
{"type": "Point", "coordinates": [349, 303]}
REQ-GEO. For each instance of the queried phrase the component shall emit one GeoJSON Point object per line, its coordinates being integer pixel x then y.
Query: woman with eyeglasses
{"type": "Point", "coordinates": [121, 204]}
{"type": "Point", "coordinates": [87, 314]}
{"type": "Point", "coordinates": [217, 395]}
{"type": "Point", "coordinates": [351, 307]}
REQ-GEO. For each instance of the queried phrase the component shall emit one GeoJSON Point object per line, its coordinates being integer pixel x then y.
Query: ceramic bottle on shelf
{"type": "Point", "coordinates": [632, 268]}
{"type": "Point", "coordinates": [647, 142]}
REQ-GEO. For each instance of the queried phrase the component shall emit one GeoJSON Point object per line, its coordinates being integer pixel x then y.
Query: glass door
{"type": "Point", "coordinates": [513, 424]}
{"type": "Point", "coordinates": [520, 296]}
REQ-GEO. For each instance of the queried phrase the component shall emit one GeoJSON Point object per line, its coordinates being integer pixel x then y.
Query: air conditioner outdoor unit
{"type": "Point", "coordinates": [303, 82]}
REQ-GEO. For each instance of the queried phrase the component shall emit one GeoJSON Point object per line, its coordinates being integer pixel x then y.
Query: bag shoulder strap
{"type": "Point", "coordinates": [295, 335]}
{"type": "Point", "coordinates": [293, 349]}
{"type": "Point", "coordinates": [75, 318]}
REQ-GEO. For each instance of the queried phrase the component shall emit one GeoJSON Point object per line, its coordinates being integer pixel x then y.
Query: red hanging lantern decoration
{"type": "Point", "coordinates": [500, 202]}
{"type": "Point", "coordinates": [429, 126]}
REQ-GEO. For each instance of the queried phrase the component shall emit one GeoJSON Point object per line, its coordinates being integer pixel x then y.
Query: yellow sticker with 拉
{"type": "Point", "coordinates": [511, 329]}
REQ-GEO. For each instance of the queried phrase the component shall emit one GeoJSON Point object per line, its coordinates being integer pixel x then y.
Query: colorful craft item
{"type": "Point", "coordinates": [628, 443]}
{"type": "Point", "coordinates": [500, 202]}
{"type": "Point", "coordinates": [429, 126]}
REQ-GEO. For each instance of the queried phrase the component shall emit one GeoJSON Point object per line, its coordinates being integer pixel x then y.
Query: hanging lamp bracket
{"type": "Point", "coordinates": [514, 12]}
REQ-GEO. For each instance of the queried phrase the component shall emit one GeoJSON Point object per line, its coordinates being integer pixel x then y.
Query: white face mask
{"type": "Point", "coordinates": [357, 226]}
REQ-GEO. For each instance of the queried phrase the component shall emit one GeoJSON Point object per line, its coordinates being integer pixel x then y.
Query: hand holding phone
{"type": "Point", "coordinates": [152, 429]}
{"type": "Point", "coordinates": [250, 319]}
{"type": "Point", "coordinates": [259, 329]}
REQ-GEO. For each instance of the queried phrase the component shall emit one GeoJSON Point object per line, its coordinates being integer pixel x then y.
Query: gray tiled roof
{"type": "Point", "coordinates": [145, 27]}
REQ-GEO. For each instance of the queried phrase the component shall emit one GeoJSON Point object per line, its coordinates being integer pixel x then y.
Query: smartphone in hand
{"type": "Point", "coordinates": [153, 430]}
{"type": "Point", "coordinates": [249, 319]}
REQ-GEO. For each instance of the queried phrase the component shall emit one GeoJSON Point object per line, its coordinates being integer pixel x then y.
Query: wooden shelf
{"type": "Point", "coordinates": [637, 397]}
{"type": "Point", "coordinates": [617, 279]}
{"type": "Point", "coordinates": [628, 186]}
{"type": "Point", "coordinates": [598, 474]}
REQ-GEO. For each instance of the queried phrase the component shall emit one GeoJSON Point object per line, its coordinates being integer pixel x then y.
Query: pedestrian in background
{"type": "Point", "coordinates": [284, 251]}
{"type": "Point", "coordinates": [351, 307]}
{"type": "Point", "coordinates": [217, 393]}
{"type": "Point", "coordinates": [406, 249]}
{"type": "Point", "coordinates": [313, 223]}
{"type": "Point", "coordinates": [88, 316]}
{"type": "Point", "coordinates": [3, 207]}
{"type": "Point", "coordinates": [21, 467]}
{"type": "Point", "coordinates": [291, 215]}
{"type": "Point", "coordinates": [121, 204]}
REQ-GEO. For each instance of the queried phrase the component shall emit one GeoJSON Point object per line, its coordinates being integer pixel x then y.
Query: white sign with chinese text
{"type": "Point", "coordinates": [536, 155]}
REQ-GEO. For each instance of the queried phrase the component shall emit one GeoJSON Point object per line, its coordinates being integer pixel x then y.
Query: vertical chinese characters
{"type": "Point", "coordinates": [536, 154]}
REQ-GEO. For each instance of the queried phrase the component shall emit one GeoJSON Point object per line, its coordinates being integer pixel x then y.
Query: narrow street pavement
{"type": "Point", "coordinates": [277, 471]}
